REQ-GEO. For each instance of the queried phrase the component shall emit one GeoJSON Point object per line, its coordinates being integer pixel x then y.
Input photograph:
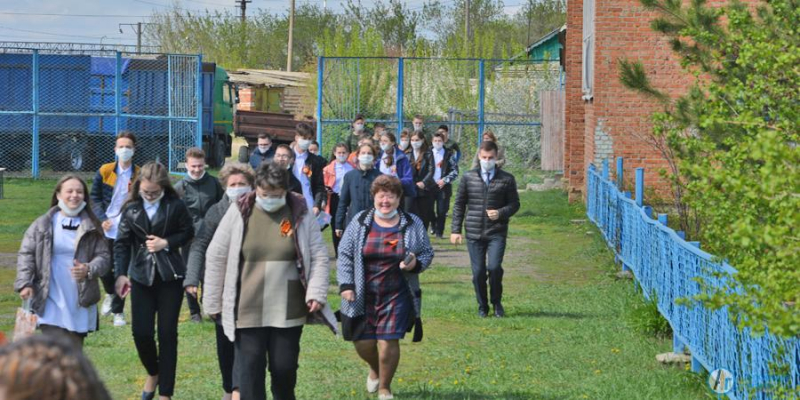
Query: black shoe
{"type": "Point", "coordinates": [483, 313]}
{"type": "Point", "coordinates": [499, 312]}
{"type": "Point", "coordinates": [148, 395]}
{"type": "Point", "coordinates": [196, 318]}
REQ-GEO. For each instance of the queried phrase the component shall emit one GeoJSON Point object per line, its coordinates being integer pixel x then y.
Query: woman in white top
{"type": "Point", "coordinates": [62, 254]}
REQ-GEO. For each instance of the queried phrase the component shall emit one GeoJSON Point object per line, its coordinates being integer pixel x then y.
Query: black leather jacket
{"type": "Point", "coordinates": [474, 198]}
{"type": "Point", "coordinates": [171, 222]}
{"type": "Point", "coordinates": [423, 172]}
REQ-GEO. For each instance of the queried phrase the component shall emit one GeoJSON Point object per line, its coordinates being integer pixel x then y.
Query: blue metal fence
{"type": "Point", "coordinates": [665, 265]}
{"type": "Point", "coordinates": [60, 110]}
{"type": "Point", "coordinates": [501, 95]}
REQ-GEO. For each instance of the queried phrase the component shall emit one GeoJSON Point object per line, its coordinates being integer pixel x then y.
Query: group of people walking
{"type": "Point", "coordinates": [249, 245]}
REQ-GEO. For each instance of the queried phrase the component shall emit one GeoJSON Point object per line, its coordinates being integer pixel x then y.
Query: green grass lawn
{"type": "Point", "coordinates": [568, 333]}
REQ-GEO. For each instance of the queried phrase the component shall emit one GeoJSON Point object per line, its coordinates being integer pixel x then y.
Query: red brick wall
{"type": "Point", "coordinates": [574, 106]}
{"type": "Point", "coordinates": [622, 30]}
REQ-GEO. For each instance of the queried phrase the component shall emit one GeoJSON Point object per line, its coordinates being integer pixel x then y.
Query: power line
{"type": "Point", "coordinates": [73, 15]}
{"type": "Point", "coordinates": [180, 8]}
{"type": "Point", "coordinates": [49, 33]}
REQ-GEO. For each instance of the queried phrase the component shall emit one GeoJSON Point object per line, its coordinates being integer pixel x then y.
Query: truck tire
{"type": "Point", "coordinates": [244, 155]}
{"type": "Point", "coordinates": [217, 155]}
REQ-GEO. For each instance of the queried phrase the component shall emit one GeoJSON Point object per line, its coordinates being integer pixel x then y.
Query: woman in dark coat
{"type": "Point", "coordinates": [422, 165]}
{"type": "Point", "coordinates": [155, 224]}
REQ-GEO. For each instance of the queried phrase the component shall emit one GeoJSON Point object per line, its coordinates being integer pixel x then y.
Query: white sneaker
{"type": "Point", "coordinates": [119, 319]}
{"type": "Point", "coordinates": [372, 385]}
{"type": "Point", "coordinates": [385, 396]}
{"type": "Point", "coordinates": [106, 308]}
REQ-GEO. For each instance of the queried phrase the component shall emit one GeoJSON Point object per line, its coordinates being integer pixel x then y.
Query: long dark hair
{"type": "Point", "coordinates": [156, 173]}
{"type": "Point", "coordinates": [88, 208]}
{"type": "Point", "coordinates": [389, 154]}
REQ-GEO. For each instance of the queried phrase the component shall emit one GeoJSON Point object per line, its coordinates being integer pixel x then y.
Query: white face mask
{"type": "Point", "coordinates": [303, 144]}
{"type": "Point", "coordinates": [366, 159]}
{"type": "Point", "coordinates": [416, 144]}
{"type": "Point", "coordinates": [154, 202]}
{"type": "Point", "coordinates": [271, 204]}
{"type": "Point", "coordinates": [438, 145]}
{"type": "Point", "coordinates": [289, 165]}
{"type": "Point", "coordinates": [417, 127]}
{"type": "Point", "coordinates": [192, 178]}
{"type": "Point", "coordinates": [403, 144]}
{"type": "Point", "coordinates": [488, 165]}
{"type": "Point", "coordinates": [358, 127]}
{"type": "Point", "coordinates": [234, 192]}
{"type": "Point", "coordinates": [386, 146]}
{"type": "Point", "coordinates": [341, 159]}
{"type": "Point", "coordinates": [263, 148]}
{"type": "Point", "coordinates": [381, 215]}
{"type": "Point", "coordinates": [124, 154]}
{"type": "Point", "coordinates": [71, 212]}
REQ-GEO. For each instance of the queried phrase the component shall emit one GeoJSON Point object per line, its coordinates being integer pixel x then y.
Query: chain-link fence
{"type": "Point", "coordinates": [470, 96]}
{"type": "Point", "coordinates": [60, 111]}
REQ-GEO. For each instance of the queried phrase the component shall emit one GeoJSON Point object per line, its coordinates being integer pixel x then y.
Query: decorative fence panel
{"type": "Point", "coordinates": [468, 95]}
{"type": "Point", "coordinates": [60, 110]}
{"type": "Point", "coordinates": [667, 266]}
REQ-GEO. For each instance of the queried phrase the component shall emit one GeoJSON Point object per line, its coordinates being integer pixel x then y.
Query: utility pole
{"type": "Point", "coordinates": [137, 27]}
{"type": "Point", "coordinates": [466, 22]}
{"type": "Point", "coordinates": [291, 28]}
{"type": "Point", "coordinates": [243, 7]}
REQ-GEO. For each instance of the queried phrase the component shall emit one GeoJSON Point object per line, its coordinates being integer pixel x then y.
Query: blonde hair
{"type": "Point", "coordinates": [236, 169]}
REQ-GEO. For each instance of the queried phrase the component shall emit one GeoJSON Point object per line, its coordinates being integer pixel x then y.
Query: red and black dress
{"type": "Point", "coordinates": [389, 308]}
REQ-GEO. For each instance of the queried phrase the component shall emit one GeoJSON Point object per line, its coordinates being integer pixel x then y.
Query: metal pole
{"type": "Point", "coordinates": [481, 98]}
{"type": "Point", "coordinates": [291, 28]}
{"type": "Point", "coordinates": [35, 94]}
{"type": "Point", "coordinates": [199, 90]}
{"type": "Point", "coordinates": [620, 171]}
{"type": "Point", "coordinates": [138, 38]}
{"type": "Point", "coordinates": [117, 94]}
{"type": "Point", "coordinates": [466, 24]}
{"type": "Point", "coordinates": [169, 112]}
{"type": "Point", "coordinates": [320, 75]}
{"type": "Point", "coordinates": [400, 62]}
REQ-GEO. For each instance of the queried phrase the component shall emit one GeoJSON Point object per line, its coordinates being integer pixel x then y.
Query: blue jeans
{"type": "Point", "coordinates": [494, 247]}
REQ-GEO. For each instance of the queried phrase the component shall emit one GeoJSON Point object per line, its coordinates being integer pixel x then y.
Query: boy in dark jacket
{"type": "Point", "coordinates": [307, 169]}
{"type": "Point", "coordinates": [487, 198]}
{"type": "Point", "coordinates": [444, 174]}
{"type": "Point", "coordinates": [199, 191]}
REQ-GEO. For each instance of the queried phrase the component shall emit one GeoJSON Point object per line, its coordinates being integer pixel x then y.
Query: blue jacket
{"type": "Point", "coordinates": [350, 264]}
{"type": "Point", "coordinates": [403, 171]}
{"type": "Point", "coordinates": [354, 196]}
{"type": "Point", "coordinates": [103, 188]}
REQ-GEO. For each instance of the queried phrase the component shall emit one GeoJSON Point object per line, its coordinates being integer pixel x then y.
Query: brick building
{"type": "Point", "coordinates": [603, 118]}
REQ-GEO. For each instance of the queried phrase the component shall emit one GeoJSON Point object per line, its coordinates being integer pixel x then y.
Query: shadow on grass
{"type": "Point", "coordinates": [551, 314]}
{"type": "Point", "coordinates": [475, 395]}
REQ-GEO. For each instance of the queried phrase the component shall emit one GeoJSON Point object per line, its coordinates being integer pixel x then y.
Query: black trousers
{"type": "Point", "coordinates": [442, 201]}
{"type": "Point", "coordinates": [257, 348]}
{"type": "Point", "coordinates": [117, 304]}
{"type": "Point", "coordinates": [191, 301]}
{"type": "Point", "coordinates": [486, 257]}
{"type": "Point", "coordinates": [225, 356]}
{"type": "Point", "coordinates": [424, 206]}
{"type": "Point", "coordinates": [334, 204]}
{"type": "Point", "coordinates": [163, 301]}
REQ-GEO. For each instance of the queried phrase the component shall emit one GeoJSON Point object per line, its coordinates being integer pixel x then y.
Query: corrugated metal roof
{"type": "Point", "coordinates": [269, 78]}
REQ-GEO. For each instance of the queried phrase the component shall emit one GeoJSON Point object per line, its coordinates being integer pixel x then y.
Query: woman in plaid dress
{"type": "Point", "coordinates": [380, 257]}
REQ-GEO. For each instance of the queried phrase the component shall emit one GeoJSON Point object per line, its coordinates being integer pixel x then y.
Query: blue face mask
{"type": "Point", "coordinates": [381, 215]}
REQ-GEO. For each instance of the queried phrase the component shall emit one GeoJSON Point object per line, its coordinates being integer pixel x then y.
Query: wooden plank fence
{"type": "Point", "coordinates": [552, 143]}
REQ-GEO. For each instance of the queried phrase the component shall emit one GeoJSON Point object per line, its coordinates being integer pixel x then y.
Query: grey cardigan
{"type": "Point", "coordinates": [224, 252]}
{"type": "Point", "coordinates": [36, 252]}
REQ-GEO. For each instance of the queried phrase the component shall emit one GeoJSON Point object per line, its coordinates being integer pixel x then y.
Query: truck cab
{"type": "Point", "coordinates": [219, 103]}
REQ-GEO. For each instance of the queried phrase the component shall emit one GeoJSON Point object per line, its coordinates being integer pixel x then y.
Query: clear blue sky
{"type": "Point", "coordinates": [90, 21]}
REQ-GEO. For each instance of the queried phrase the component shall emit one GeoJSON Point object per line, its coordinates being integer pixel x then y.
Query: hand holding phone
{"type": "Point", "coordinates": [409, 262]}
